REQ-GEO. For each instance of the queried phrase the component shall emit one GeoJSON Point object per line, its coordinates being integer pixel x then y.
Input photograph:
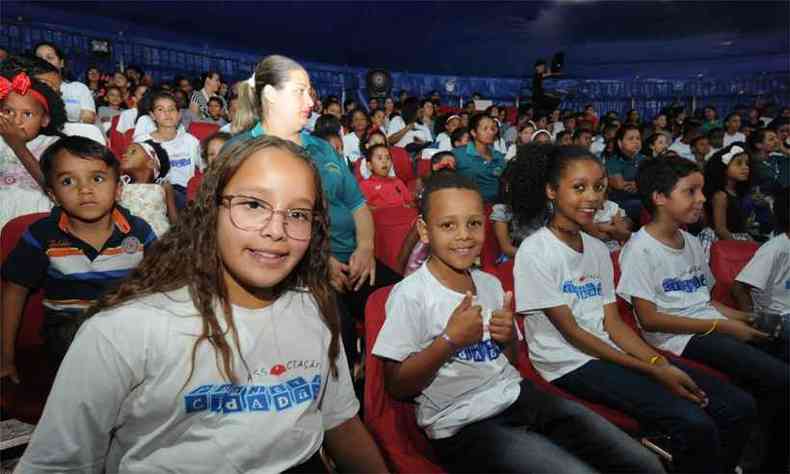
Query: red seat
{"type": "Point", "coordinates": [202, 130]}
{"type": "Point", "coordinates": [118, 142]}
{"type": "Point", "coordinates": [392, 224]}
{"type": "Point", "coordinates": [402, 163]}
{"type": "Point", "coordinates": [26, 400]}
{"type": "Point", "coordinates": [727, 259]}
{"type": "Point", "coordinates": [423, 168]}
{"type": "Point", "coordinates": [193, 185]}
{"type": "Point", "coordinates": [391, 422]}
{"type": "Point", "coordinates": [512, 115]}
{"type": "Point", "coordinates": [358, 170]}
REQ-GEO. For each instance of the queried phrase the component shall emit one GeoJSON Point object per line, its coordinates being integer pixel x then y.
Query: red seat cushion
{"type": "Point", "coordinates": [193, 185]}
{"type": "Point", "coordinates": [392, 225]}
{"type": "Point", "coordinates": [727, 259]}
{"type": "Point", "coordinates": [391, 422]}
{"type": "Point", "coordinates": [402, 163]}
{"type": "Point", "coordinates": [202, 130]}
{"type": "Point", "coordinates": [118, 142]}
{"type": "Point", "coordinates": [26, 400]}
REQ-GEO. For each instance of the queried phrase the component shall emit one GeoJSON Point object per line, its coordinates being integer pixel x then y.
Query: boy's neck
{"type": "Point", "coordinates": [665, 229]}
{"type": "Point", "coordinates": [454, 279]}
{"type": "Point", "coordinates": [94, 233]}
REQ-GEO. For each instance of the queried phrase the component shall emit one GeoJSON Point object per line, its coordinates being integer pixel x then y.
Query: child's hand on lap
{"type": "Point", "coordinates": [465, 326]}
{"type": "Point", "coordinates": [678, 382]}
{"type": "Point", "coordinates": [741, 330]}
{"type": "Point", "coordinates": [501, 324]}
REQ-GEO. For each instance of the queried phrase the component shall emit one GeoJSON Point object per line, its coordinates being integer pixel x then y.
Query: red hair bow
{"type": "Point", "coordinates": [20, 84]}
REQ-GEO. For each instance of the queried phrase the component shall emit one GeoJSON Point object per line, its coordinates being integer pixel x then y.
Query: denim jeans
{"type": "Point", "coordinates": [764, 376]}
{"type": "Point", "coordinates": [542, 432]}
{"type": "Point", "coordinates": [719, 431]}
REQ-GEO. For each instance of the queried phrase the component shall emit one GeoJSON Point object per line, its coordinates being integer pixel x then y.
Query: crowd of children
{"type": "Point", "coordinates": [194, 290]}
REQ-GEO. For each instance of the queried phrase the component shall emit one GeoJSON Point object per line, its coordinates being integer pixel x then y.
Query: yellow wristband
{"type": "Point", "coordinates": [712, 328]}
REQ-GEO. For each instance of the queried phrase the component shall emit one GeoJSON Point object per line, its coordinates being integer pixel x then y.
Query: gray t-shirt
{"type": "Point", "coordinates": [120, 403]}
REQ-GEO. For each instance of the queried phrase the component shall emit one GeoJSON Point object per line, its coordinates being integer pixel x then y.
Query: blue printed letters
{"type": "Point", "coordinates": [230, 398]}
{"type": "Point", "coordinates": [687, 286]}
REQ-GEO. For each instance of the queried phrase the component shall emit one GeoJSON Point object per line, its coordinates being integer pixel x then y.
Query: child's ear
{"type": "Point", "coordinates": [269, 93]}
{"type": "Point", "coordinates": [659, 199]}
{"type": "Point", "coordinates": [422, 230]}
{"type": "Point", "coordinates": [118, 188]}
{"type": "Point", "coordinates": [45, 121]}
{"type": "Point", "coordinates": [551, 193]}
{"type": "Point", "coordinates": [52, 195]}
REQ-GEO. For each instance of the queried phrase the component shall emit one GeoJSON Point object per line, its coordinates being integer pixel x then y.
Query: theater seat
{"type": "Point", "coordinates": [727, 259]}
{"type": "Point", "coordinates": [202, 130]}
{"type": "Point", "coordinates": [26, 400]}
{"type": "Point", "coordinates": [402, 163]}
{"type": "Point", "coordinates": [392, 224]}
{"type": "Point", "coordinates": [118, 142]}
{"type": "Point", "coordinates": [193, 185]}
{"type": "Point", "coordinates": [391, 422]}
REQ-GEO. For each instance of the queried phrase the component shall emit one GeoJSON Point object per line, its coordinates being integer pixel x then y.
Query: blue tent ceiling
{"type": "Point", "coordinates": [494, 39]}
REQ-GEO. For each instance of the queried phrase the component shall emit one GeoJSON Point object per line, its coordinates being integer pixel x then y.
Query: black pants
{"type": "Point", "coordinates": [352, 307]}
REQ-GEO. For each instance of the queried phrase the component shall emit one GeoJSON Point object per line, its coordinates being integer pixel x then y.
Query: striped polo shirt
{"type": "Point", "coordinates": [72, 273]}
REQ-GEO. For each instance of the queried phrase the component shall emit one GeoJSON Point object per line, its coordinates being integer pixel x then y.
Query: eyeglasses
{"type": "Point", "coordinates": [252, 214]}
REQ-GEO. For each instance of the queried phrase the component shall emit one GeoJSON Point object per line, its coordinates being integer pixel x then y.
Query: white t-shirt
{"type": "Point", "coordinates": [478, 382]}
{"type": "Point", "coordinates": [184, 154]}
{"type": "Point", "coordinates": [76, 97]}
{"type": "Point", "coordinates": [546, 274]}
{"type": "Point", "coordinates": [736, 137]}
{"type": "Point", "coordinates": [87, 130]}
{"type": "Point", "coordinates": [598, 145]}
{"type": "Point", "coordinates": [678, 281]}
{"type": "Point", "coordinates": [683, 150]}
{"type": "Point", "coordinates": [351, 147]}
{"type": "Point", "coordinates": [119, 403]}
{"type": "Point", "coordinates": [608, 213]}
{"type": "Point", "coordinates": [310, 125]}
{"type": "Point", "coordinates": [421, 131]}
{"type": "Point", "coordinates": [769, 273]}
{"type": "Point", "coordinates": [143, 127]}
{"type": "Point", "coordinates": [511, 152]}
{"type": "Point", "coordinates": [443, 141]}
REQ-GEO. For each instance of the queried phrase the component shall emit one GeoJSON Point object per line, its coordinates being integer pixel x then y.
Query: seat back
{"type": "Point", "coordinates": [33, 315]}
{"type": "Point", "coordinates": [193, 185]}
{"type": "Point", "coordinates": [201, 130]}
{"type": "Point", "coordinates": [402, 163]}
{"type": "Point", "coordinates": [118, 142]}
{"type": "Point", "coordinates": [391, 422]}
{"type": "Point", "coordinates": [392, 225]}
{"type": "Point", "coordinates": [727, 259]}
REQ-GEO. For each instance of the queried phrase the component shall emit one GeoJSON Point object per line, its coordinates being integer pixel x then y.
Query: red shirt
{"type": "Point", "coordinates": [385, 192]}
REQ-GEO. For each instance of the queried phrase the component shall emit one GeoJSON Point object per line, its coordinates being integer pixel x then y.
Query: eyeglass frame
{"type": "Point", "coordinates": [226, 201]}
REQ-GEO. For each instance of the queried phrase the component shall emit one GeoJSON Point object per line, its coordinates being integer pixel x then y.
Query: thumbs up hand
{"type": "Point", "coordinates": [465, 326]}
{"type": "Point", "coordinates": [501, 325]}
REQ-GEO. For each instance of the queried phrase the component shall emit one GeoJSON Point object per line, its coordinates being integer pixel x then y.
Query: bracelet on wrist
{"type": "Point", "coordinates": [450, 342]}
{"type": "Point", "coordinates": [712, 328]}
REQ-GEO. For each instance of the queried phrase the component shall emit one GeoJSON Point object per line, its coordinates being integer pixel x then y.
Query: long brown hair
{"type": "Point", "coordinates": [270, 71]}
{"type": "Point", "coordinates": [188, 255]}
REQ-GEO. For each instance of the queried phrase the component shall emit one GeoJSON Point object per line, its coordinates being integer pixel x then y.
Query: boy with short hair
{"type": "Point", "coordinates": [449, 342]}
{"type": "Point", "coordinates": [84, 246]}
{"type": "Point", "coordinates": [666, 278]}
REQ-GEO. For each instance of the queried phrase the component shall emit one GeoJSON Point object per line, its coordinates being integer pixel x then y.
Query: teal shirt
{"type": "Point", "coordinates": [485, 173]}
{"type": "Point", "coordinates": [623, 166]}
{"type": "Point", "coordinates": [340, 190]}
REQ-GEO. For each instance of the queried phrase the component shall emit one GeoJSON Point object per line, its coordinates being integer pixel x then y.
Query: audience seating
{"type": "Point", "coordinates": [26, 400]}
{"type": "Point", "coordinates": [392, 225]}
{"type": "Point", "coordinates": [118, 142]}
{"type": "Point", "coordinates": [202, 130]}
{"type": "Point", "coordinates": [727, 259]}
{"type": "Point", "coordinates": [391, 422]}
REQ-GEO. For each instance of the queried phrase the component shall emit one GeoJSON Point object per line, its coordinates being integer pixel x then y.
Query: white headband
{"type": "Point", "coordinates": [149, 150]}
{"type": "Point", "coordinates": [251, 81]}
{"type": "Point", "coordinates": [534, 135]}
{"type": "Point", "coordinates": [734, 151]}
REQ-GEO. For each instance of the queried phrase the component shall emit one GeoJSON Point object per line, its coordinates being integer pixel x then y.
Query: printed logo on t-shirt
{"type": "Point", "coordinates": [689, 285]}
{"type": "Point", "coordinates": [583, 287]}
{"type": "Point", "coordinates": [180, 163]}
{"type": "Point", "coordinates": [230, 398]}
{"type": "Point", "coordinates": [481, 352]}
